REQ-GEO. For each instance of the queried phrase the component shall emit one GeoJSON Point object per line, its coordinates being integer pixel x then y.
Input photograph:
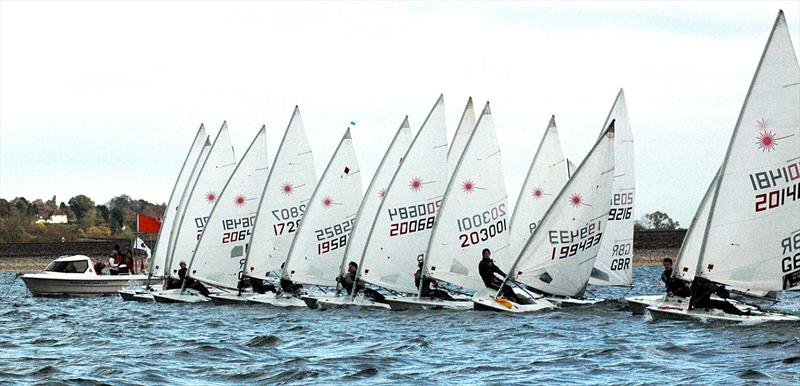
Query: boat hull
{"type": "Point", "coordinates": [221, 299]}
{"type": "Point", "coordinates": [273, 300]}
{"type": "Point", "coordinates": [179, 296]}
{"type": "Point", "coordinates": [398, 303]}
{"type": "Point", "coordinates": [638, 304]}
{"type": "Point", "coordinates": [569, 302]}
{"type": "Point", "coordinates": [334, 302]}
{"type": "Point", "coordinates": [484, 300]}
{"type": "Point", "coordinates": [678, 309]}
{"type": "Point", "coordinates": [50, 285]}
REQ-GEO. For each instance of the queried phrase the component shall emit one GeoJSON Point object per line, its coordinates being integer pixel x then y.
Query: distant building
{"type": "Point", "coordinates": [57, 216]}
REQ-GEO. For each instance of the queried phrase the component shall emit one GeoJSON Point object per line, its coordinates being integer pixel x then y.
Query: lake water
{"type": "Point", "coordinates": [103, 339]}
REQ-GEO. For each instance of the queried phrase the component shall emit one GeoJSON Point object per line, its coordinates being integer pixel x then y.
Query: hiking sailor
{"type": "Point", "coordinates": [487, 270]}
{"type": "Point", "coordinates": [348, 282]}
{"type": "Point", "coordinates": [427, 291]}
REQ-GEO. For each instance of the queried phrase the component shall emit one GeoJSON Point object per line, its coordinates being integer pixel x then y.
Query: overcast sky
{"type": "Point", "coordinates": [103, 98]}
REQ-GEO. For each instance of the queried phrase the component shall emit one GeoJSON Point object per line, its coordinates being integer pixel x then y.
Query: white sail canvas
{"type": "Point", "coordinates": [375, 193]}
{"type": "Point", "coordinates": [220, 254]}
{"type": "Point", "coordinates": [547, 174]}
{"type": "Point", "coordinates": [211, 178]}
{"type": "Point", "coordinates": [753, 227]}
{"type": "Point", "coordinates": [559, 256]}
{"type": "Point", "coordinates": [465, 126]}
{"type": "Point", "coordinates": [614, 264]}
{"type": "Point", "coordinates": [399, 236]}
{"type": "Point", "coordinates": [319, 245]}
{"type": "Point", "coordinates": [171, 211]}
{"type": "Point", "coordinates": [283, 202]}
{"type": "Point", "coordinates": [473, 214]}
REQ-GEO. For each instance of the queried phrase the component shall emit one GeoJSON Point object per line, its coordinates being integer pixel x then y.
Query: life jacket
{"type": "Point", "coordinates": [118, 259]}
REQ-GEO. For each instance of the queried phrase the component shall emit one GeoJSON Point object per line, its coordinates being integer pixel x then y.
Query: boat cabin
{"type": "Point", "coordinates": [71, 264]}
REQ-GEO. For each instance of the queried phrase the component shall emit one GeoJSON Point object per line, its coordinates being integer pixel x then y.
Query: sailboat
{"type": "Point", "coordinates": [354, 251]}
{"type": "Point", "coordinates": [156, 268]}
{"type": "Point", "coordinates": [614, 264]}
{"type": "Point", "coordinates": [398, 238]}
{"type": "Point", "coordinates": [547, 174]}
{"type": "Point", "coordinates": [218, 259]}
{"type": "Point", "coordinates": [557, 259]}
{"type": "Point", "coordinates": [472, 217]}
{"type": "Point", "coordinates": [211, 178]}
{"type": "Point", "coordinates": [463, 131]}
{"type": "Point", "coordinates": [318, 248]}
{"type": "Point", "coordinates": [746, 234]}
{"type": "Point", "coordinates": [281, 207]}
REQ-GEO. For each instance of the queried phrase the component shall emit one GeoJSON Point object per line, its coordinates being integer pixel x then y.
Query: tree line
{"type": "Point", "coordinates": [86, 219]}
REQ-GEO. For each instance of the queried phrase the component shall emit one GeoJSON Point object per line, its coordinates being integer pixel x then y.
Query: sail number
{"type": "Point", "coordinates": [580, 239]}
{"type": "Point", "coordinates": [420, 217]}
{"type": "Point", "coordinates": [570, 250]}
{"type": "Point", "coordinates": [483, 234]}
{"type": "Point", "coordinates": [288, 219]}
{"type": "Point", "coordinates": [484, 225]}
{"type": "Point", "coordinates": [791, 244]}
{"type": "Point", "coordinates": [333, 237]}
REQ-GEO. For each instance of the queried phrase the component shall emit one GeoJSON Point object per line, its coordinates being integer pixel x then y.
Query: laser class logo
{"type": "Point", "coordinates": [382, 193]}
{"type": "Point", "coordinates": [576, 200]}
{"type": "Point", "coordinates": [537, 192]}
{"type": "Point", "coordinates": [211, 197]}
{"type": "Point", "coordinates": [239, 201]}
{"type": "Point", "coordinates": [327, 202]}
{"type": "Point", "coordinates": [468, 186]}
{"type": "Point", "coordinates": [765, 140]}
{"type": "Point", "coordinates": [416, 184]}
{"type": "Point", "coordinates": [287, 188]}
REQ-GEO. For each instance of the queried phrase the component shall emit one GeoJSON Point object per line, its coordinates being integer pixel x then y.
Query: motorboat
{"type": "Point", "coordinates": [75, 276]}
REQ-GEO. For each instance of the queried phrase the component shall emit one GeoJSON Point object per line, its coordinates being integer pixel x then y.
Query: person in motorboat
{"type": "Point", "coordinates": [113, 263]}
{"type": "Point", "coordinates": [130, 262]}
{"type": "Point", "coordinates": [122, 266]}
{"type": "Point", "coordinates": [702, 290]}
{"type": "Point", "coordinates": [98, 267]}
{"type": "Point", "coordinates": [487, 270]}
{"type": "Point", "coordinates": [348, 282]}
{"type": "Point", "coordinates": [427, 291]}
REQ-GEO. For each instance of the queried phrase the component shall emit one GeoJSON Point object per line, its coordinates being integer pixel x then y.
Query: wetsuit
{"type": "Point", "coordinates": [427, 291]}
{"type": "Point", "coordinates": [191, 283]}
{"type": "Point", "coordinates": [290, 287]}
{"type": "Point", "coordinates": [701, 298]}
{"type": "Point", "coordinates": [348, 281]}
{"type": "Point", "coordinates": [666, 277]}
{"type": "Point", "coordinates": [487, 270]}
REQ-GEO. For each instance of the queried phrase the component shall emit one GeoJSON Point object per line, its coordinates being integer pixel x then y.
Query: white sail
{"type": "Point", "coordinates": [559, 256]}
{"type": "Point", "coordinates": [685, 265]}
{"type": "Point", "coordinates": [219, 256]}
{"type": "Point", "coordinates": [473, 212]}
{"type": "Point", "coordinates": [211, 178]}
{"type": "Point", "coordinates": [753, 230]}
{"type": "Point", "coordinates": [159, 258]}
{"type": "Point", "coordinates": [614, 264]}
{"type": "Point", "coordinates": [374, 195]}
{"type": "Point", "coordinates": [546, 176]}
{"type": "Point", "coordinates": [319, 245]}
{"type": "Point", "coordinates": [289, 186]}
{"type": "Point", "coordinates": [399, 236]}
{"type": "Point", "coordinates": [176, 224]}
{"type": "Point", "coordinates": [460, 138]}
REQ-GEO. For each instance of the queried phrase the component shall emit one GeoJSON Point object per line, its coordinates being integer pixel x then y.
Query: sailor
{"type": "Point", "coordinates": [666, 276]}
{"type": "Point", "coordinates": [487, 270]}
{"type": "Point", "coordinates": [178, 283]}
{"type": "Point", "coordinates": [191, 283]}
{"type": "Point", "coordinates": [702, 290]}
{"type": "Point", "coordinates": [348, 281]}
{"type": "Point", "coordinates": [427, 291]}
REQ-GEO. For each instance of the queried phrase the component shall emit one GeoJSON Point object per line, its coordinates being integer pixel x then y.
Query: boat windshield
{"type": "Point", "coordinates": [79, 266]}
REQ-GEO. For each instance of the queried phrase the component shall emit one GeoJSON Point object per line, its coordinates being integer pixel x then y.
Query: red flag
{"type": "Point", "coordinates": [147, 224]}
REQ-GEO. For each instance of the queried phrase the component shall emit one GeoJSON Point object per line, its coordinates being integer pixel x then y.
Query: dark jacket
{"type": "Point", "coordinates": [348, 279]}
{"type": "Point", "coordinates": [487, 270]}
{"type": "Point", "coordinates": [666, 277]}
